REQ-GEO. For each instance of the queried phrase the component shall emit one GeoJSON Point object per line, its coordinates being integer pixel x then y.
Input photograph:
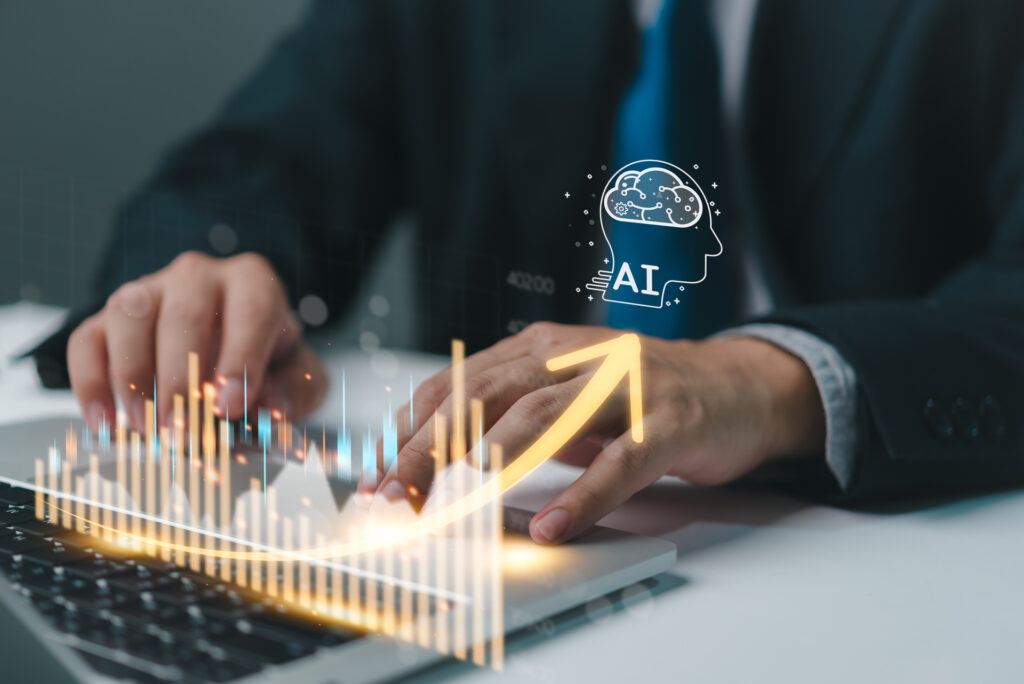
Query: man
{"type": "Point", "coordinates": [875, 151]}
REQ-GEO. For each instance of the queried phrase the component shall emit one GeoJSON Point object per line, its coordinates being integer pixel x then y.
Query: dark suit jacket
{"type": "Point", "coordinates": [886, 177]}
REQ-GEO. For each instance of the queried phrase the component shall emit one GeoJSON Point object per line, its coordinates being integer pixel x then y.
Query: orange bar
{"type": "Point", "coordinates": [458, 453]}
{"type": "Point", "coordinates": [209, 466]}
{"type": "Point", "coordinates": [150, 479]}
{"type": "Point", "coordinates": [372, 618]}
{"type": "Point", "coordinates": [194, 502]}
{"type": "Point", "coordinates": [71, 447]}
{"type": "Point", "coordinates": [225, 498]}
{"type": "Point", "coordinates": [122, 475]}
{"type": "Point", "coordinates": [65, 488]}
{"type": "Point", "coordinates": [40, 483]}
{"type": "Point", "coordinates": [272, 521]}
{"type": "Point", "coordinates": [459, 531]}
{"type": "Point", "coordinates": [497, 580]}
{"type": "Point", "coordinates": [80, 504]}
{"type": "Point", "coordinates": [441, 619]}
{"type": "Point", "coordinates": [458, 401]}
{"type": "Point", "coordinates": [180, 557]}
{"type": "Point", "coordinates": [288, 566]}
{"type": "Point", "coordinates": [254, 532]}
{"type": "Point", "coordinates": [94, 494]}
{"type": "Point", "coordinates": [108, 515]}
{"type": "Point", "coordinates": [389, 589]}
{"type": "Point", "coordinates": [193, 404]}
{"type": "Point", "coordinates": [405, 623]}
{"type": "Point", "coordinates": [321, 577]}
{"type": "Point", "coordinates": [304, 593]}
{"type": "Point", "coordinates": [242, 531]}
{"type": "Point", "coordinates": [422, 609]}
{"type": "Point", "coordinates": [337, 585]}
{"type": "Point", "coordinates": [194, 395]}
{"type": "Point", "coordinates": [165, 490]}
{"type": "Point", "coordinates": [136, 477]}
{"type": "Point", "coordinates": [354, 603]}
{"type": "Point", "coordinates": [51, 476]}
{"type": "Point", "coordinates": [476, 409]}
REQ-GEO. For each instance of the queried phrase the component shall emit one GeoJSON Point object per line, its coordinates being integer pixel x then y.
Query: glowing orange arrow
{"type": "Point", "coordinates": [621, 361]}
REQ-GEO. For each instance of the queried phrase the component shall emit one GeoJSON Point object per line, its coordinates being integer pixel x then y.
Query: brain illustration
{"type": "Point", "coordinates": [654, 196]}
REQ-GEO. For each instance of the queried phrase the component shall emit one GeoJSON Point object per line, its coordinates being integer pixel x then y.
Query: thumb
{"type": "Point", "coordinates": [295, 384]}
{"type": "Point", "coordinates": [619, 471]}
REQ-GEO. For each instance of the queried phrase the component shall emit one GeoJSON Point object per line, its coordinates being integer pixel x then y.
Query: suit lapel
{"type": "Point", "coordinates": [810, 71]}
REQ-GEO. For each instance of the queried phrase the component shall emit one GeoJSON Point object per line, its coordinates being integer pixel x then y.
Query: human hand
{"type": "Point", "coordinates": [713, 411]}
{"type": "Point", "coordinates": [233, 312]}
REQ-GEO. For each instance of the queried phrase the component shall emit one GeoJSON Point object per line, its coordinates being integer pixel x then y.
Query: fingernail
{"type": "Point", "coordinates": [95, 415]}
{"type": "Point", "coordinates": [553, 524]}
{"type": "Point", "coordinates": [138, 413]}
{"type": "Point", "coordinates": [231, 397]}
{"type": "Point", "coordinates": [393, 491]}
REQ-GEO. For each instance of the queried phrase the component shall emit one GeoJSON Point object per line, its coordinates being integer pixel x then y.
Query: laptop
{"type": "Point", "coordinates": [75, 610]}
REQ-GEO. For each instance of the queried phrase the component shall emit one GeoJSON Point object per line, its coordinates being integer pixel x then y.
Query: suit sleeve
{"type": "Point", "coordinates": [300, 166]}
{"type": "Point", "coordinates": [941, 380]}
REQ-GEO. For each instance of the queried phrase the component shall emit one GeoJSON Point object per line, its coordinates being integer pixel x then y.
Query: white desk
{"type": "Point", "coordinates": [775, 591]}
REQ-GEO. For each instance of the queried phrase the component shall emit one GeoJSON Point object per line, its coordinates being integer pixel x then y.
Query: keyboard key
{"type": "Point", "coordinates": [15, 495]}
{"type": "Point", "coordinates": [96, 567]}
{"type": "Point", "coordinates": [10, 514]}
{"type": "Point", "coordinates": [36, 578]}
{"type": "Point", "coordinates": [15, 544]}
{"type": "Point", "coordinates": [54, 554]}
{"type": "Point", "coordinates": [134, 582]}
{"type": "Point", "coordinates": [42, 528]}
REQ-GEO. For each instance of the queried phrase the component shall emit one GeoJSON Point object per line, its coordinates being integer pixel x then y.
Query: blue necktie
{"type": "Point", "coordinates": [672, 112]}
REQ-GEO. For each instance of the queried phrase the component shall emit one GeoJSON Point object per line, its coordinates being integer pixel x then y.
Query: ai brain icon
{"type": "Point", "coordinates": [657, 223]}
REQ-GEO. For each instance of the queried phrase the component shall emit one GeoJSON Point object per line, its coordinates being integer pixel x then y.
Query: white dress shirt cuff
{"type": "Point", "coordinates": [837, 384]}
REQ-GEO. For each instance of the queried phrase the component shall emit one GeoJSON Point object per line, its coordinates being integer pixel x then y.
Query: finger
{"type": "Point", "coordinates": [186, 323]}
{"type": "Point", "coordinates": [255, 321]}
{"type": "Point", "coordinates": [87, 368]}
{"type": "Point", "coordinates": [583, 453]}
{"type": "Point", "coordinates": [294, 384]}
{"type": "Point", "coordinates": [618, 472]}
{"type": "Point", "coordinates": [534, 413]}
{"type": "Point", "coordinates": [433, 391]}
{"type": "Point", "coordinates": [129, 317]}
{"type": "Point", "coordinates": [498, 387]}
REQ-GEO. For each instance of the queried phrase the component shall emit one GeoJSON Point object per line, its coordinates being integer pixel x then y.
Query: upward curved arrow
{"type": "Point", "coordinates": [621, 360]}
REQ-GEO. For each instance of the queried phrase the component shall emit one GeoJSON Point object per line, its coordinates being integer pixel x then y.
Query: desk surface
{"type": "Point", "coordinates": [775, 589]}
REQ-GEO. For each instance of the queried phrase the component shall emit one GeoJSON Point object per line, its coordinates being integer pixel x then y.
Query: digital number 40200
{"type": "Point", "coordinates": [531, 282]}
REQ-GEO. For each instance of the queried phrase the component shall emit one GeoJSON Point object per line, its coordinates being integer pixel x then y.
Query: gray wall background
{"type": "Point", "coordinates": [91, 94]}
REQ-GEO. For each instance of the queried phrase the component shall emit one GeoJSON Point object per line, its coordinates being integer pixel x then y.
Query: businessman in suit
{"type": "Point", "coordinates": [868, 310]}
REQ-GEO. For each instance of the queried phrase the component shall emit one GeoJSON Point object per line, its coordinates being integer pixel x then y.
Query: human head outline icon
{"type": "Point", "coordinates": [658, 225]}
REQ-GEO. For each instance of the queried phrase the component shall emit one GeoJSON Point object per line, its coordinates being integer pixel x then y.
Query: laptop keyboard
{"type": "Point", "coordinates": [142, 619]}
